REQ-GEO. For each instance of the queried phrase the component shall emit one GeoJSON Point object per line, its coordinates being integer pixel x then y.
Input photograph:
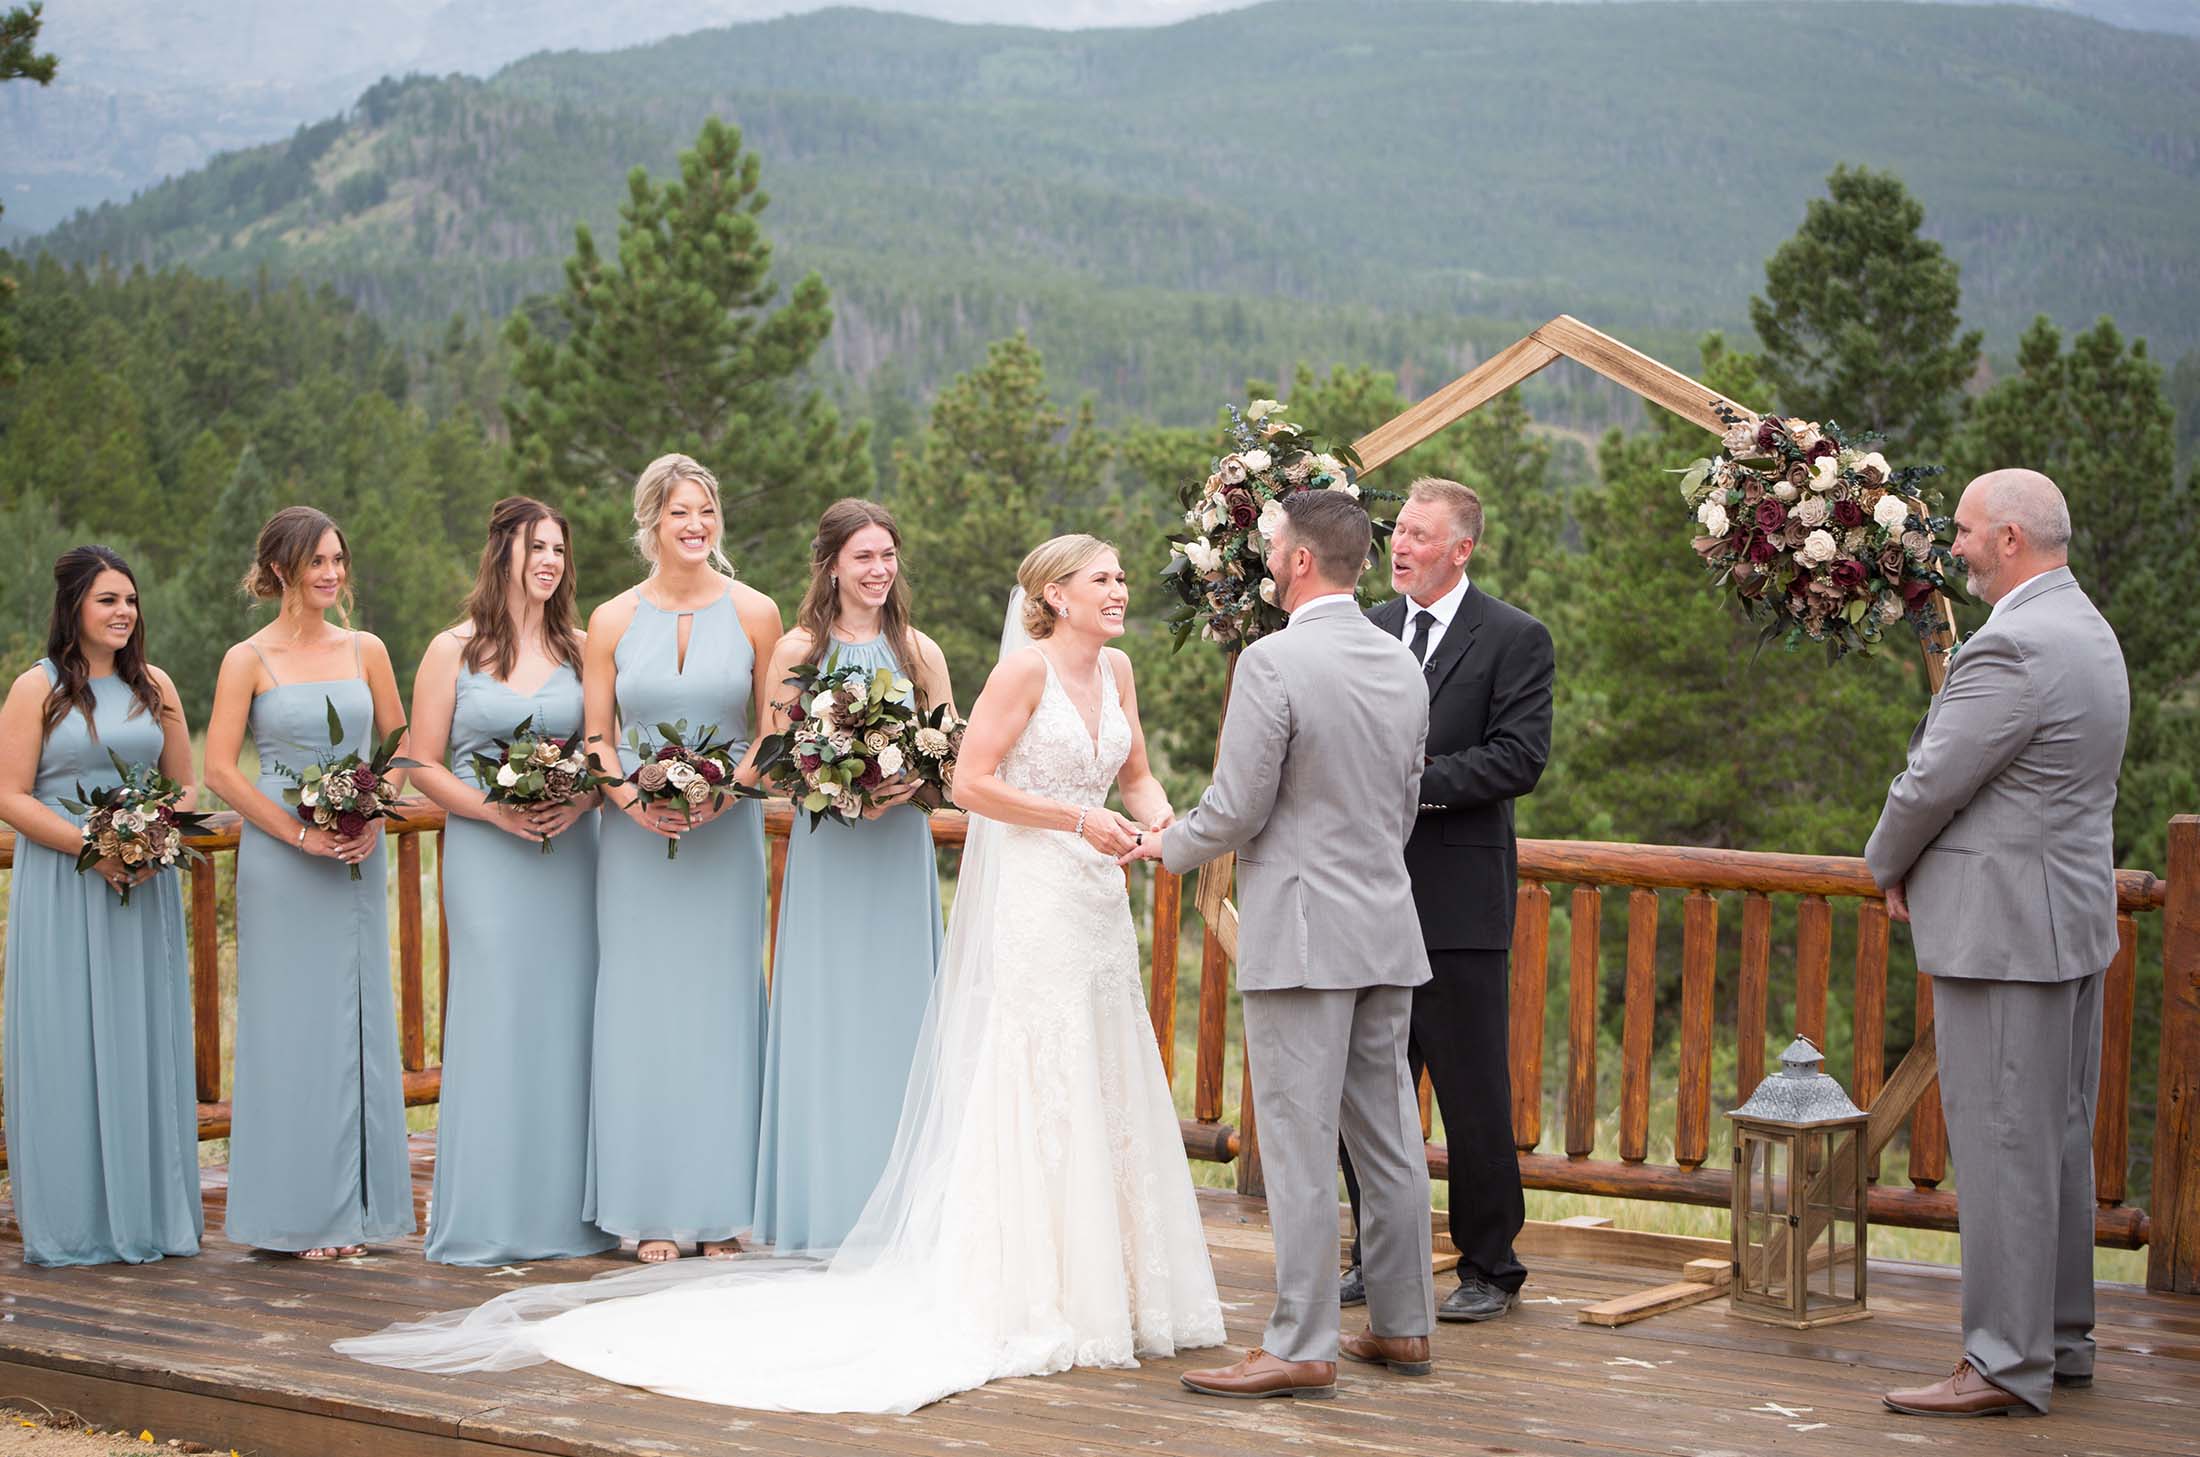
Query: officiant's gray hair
{"type": "Point", "coordinates": [1463, 502]}
{"type": "Point", "coordinates": [1332, 526]}
{"type": "Point", "coordinates": [2030, 502]}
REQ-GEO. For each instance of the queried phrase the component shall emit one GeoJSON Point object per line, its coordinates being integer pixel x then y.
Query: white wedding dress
{"type": "Point", "coordinates": [1037, 1212]}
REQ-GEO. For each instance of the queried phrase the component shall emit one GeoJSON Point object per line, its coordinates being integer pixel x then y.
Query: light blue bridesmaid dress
{"type": "Point", "coordinates": [680, 968]}
{"type": "Point", "coordinates": [511, 1146]}
{"type": "Point", "coordinates": [859, 933]}
{"type": "Point", "coordinates": [102, 1121]}
{"type": "Point", "coordinates": [317, 1138]}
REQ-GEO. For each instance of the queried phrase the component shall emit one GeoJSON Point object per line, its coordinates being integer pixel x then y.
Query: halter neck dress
{"type": "Point", "coordinates": [679, 1046]}
{"type": "Point", "coordinates": [859, 933]}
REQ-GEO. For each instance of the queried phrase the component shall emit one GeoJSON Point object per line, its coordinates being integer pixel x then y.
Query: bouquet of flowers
{"type": "Point", "coordinates": [343, 792]}
{"type": "Point", "coordinates": [848, 732]}
{"type": "Point", "coordinates": [536, 770]}
{"type": "Point", "coordinates": [691, 774]}
{"type": "Point", "coordinates": [1818, 537]}
{"type": "Point", "coordinates": [1218, 568]}
{"type": "Point", "coordinates": [934, 744]}
{"type": "Point", "coordinates": [136, 822]}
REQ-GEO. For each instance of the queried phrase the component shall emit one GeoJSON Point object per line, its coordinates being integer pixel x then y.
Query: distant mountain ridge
{"type": "Point", "coordinates": [149, 90]}
{"type": "Point", "coordinates": [1382, 167]}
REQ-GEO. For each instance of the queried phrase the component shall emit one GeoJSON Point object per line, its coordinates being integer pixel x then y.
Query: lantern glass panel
{"type": "Point", "coordinates": [1765, 1166]}
{"type": "Point", "coordinates": [1832, 1218]}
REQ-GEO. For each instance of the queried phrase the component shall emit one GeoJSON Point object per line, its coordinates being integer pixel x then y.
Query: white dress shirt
{"type": "Point", "coordinates": [1443, 609]}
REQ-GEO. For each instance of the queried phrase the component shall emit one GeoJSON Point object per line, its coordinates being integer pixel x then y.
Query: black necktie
{"type": "Point", "coordinates": [1422, 622]}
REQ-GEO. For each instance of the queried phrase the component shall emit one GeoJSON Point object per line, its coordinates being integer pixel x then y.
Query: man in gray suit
{"type": "Point", "coordinates": [1317, 786]}
{"type": "Point", "coordinates": [1995, 845]}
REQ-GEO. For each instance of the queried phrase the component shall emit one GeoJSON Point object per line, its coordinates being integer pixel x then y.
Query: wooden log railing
{"type": "Point", "coordinates": [1702, 883]}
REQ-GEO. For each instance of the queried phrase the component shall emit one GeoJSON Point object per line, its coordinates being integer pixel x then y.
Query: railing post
{"type": "Point", "coordinates": [2173, 1252]}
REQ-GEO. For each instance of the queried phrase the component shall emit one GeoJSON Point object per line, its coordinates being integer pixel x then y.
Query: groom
{"type": "Point", "coordinates": [1317, 785]}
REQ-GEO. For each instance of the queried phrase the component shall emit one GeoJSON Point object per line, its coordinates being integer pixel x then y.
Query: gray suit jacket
{"type": "Point", "coordinates": [1999, 828]}
{"type": "Point", "coordinates": [1316, 787]}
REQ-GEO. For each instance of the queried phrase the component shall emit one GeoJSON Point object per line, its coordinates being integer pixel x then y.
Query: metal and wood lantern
{"type": "Point", "coordinates": [1799, 1193]}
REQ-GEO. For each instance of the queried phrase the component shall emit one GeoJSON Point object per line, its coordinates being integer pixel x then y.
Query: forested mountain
{"type": "Point", "coordinates": [1306, 179]}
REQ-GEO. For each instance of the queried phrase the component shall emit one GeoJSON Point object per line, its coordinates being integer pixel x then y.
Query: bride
{"type": "Point", "coordinates": [1037, 1212]}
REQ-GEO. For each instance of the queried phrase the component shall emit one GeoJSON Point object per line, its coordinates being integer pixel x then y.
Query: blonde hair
{"type": "Point", "coordinates": [285, 549]}
{"type": "Point", "coordinates": [1052, 561]}
{"type": "Point", "coordinates": [653, 487]}
{"type": "Point", "coordinates": [1463, 502]}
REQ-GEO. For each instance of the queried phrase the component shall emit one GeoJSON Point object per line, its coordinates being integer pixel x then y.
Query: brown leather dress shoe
{"type": "Point", "coordinates": [1262, 1375]}
{"type": "Point", "coordinates": [1964, 1394]}
{"type": "Point", "coordinates": [1406, 1355]}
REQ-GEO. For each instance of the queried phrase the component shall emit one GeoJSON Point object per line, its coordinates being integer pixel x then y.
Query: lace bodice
{"type": "Point", "coordinates": [1056, 755]}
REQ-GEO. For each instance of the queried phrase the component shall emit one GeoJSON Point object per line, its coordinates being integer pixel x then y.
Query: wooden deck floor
{"type": "Point", "coordinates": [231, 1349]}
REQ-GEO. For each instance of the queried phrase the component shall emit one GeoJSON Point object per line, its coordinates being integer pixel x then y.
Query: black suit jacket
{"type": "Point", "coordinates": [1489, 736]}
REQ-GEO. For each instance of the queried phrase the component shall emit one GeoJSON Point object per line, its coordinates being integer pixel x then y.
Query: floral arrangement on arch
{"type": "Point", "coordinates": [1218, 565]}
{"type": "Point", "coordinates": [1817, 537]}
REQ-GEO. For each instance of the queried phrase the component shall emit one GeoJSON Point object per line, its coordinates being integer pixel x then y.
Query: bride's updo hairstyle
{"type": "Point", "coordinates": [1056, 560]}
{"type": "Point", "coordinates": [654, 486]}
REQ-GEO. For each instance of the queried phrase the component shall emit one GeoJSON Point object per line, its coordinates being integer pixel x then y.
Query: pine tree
{"type": "Point", "coordinates": [675, 347]}
{"type": "Point", "coordinates": [1859, 320]}
{"type": "Point", "coordinates": [998, 470]}
{"type": "Point", "coordinates": [2095, 420]}
{"type": "Point", "coordinates": [19, 61]}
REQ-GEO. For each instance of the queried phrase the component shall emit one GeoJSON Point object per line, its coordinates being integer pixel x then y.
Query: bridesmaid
{"type": "Point", "coordinates": [511, 1146]}
{"type": "Point", "coordinates": [102, 1118]}
{"type": "Point", "coordinates": [680, 976]}
{"type": "Point", "coordinates": [859, 917]}
{"type": "Point", "coordinates": [317, 1162]}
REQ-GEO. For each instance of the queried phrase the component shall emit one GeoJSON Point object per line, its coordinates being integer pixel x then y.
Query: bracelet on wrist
{"type": "Point", "coordinates": [302, 835]}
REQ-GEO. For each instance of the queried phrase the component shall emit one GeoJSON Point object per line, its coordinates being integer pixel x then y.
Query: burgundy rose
{"type": "Point", "coordinates": [167, 814]}
{"type": "Point", "coordinates": [1848, 514]}
{"type": "Point", "coordinates": [305, 812]}
{"type": "Point", "coordinates": [1823, 448]}
{"type": "Point", "coordinates": [870, 778]}
{"type": "Point", "coordinates": [1768, 434]}
{"type": "Point", "coordinates": [1916, 589]}
{"type": "Point", "coordinates": [1762, 550]}
{"type": "Point", "coordinates": [668, 752]}
{"type": "Point", "coordinates": [1800, 587]}
{"type": "Point", "coordinates": [1243, 513]}
{"type": "Point", "coordinates": [1771, 515]}
{"type": "Point", "coordinates": [351, 824]}
{"type": "Point", "coordinates": [365, 778]}
{"type": "Point", "coordinates": [795, 713]}
{"type": "Point", "coordinates": [1847, 574]}
{"type": "Point", "coordinates": [810, 763]}
{"type": "Point", "coordinates": [711, 773]}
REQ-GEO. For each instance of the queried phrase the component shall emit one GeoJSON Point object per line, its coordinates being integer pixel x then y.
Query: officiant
{"type": "Point", "coordinates": [1489, 670]}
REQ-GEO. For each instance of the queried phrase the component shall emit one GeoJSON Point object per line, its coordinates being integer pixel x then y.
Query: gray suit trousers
{"type": "Point", "coordinates": [1327, 1062]}
{"type": "Point", "coordinates": [2020, 1070]}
